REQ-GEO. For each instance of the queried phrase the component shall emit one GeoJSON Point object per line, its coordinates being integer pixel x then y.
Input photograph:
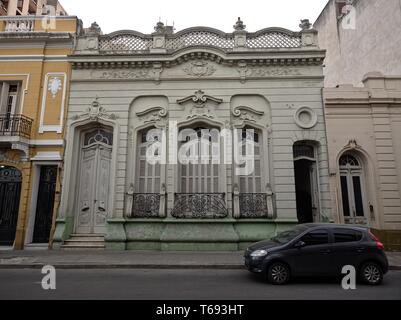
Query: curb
{"type": "Point", "coordinates": [135, 267]}
{"type": "Point", "coordinates": [122, 266]}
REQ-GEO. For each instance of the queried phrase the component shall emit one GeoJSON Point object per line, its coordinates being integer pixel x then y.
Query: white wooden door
{"type": "Point", "coordinates": [94, 190]}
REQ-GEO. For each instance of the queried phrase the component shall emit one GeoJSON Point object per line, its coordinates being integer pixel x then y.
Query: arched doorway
{"type": "Point", "coordinates": [94, 181]}
{"type": "Point", "coordinates": [352, 189]}
{"type": "Point", "coordinates": [10, 192]}
{"type": "Point", "coordinates": [306, 182]}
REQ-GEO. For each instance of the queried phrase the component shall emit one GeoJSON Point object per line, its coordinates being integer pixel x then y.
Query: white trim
{"type": "Point", "coordinates": [47, 156]}
{"type": "Point", "coordinates": [57, 143]}
{"type": "Point", "coordinates": [52, 128]}
{"type": "Point", "coordinates": [25, 91]}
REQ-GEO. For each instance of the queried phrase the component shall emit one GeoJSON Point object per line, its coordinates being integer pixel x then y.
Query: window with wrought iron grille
{"type": "Point", "coordinates": [200, 174]}
{"type": "Point", "coordinates": [148, 173]}
{"type": "Point", "coordinates": [9, 92]}
{"type": "Point", "coordinates": [252, 183]}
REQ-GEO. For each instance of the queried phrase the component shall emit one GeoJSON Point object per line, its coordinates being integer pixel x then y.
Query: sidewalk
{"type": "Point", "coordinates": [134, 260]}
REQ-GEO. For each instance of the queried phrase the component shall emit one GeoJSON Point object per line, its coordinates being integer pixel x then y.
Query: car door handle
{"type": "Point", "coordinates": [328, 251]}
{"type": "Point", "coordinates": [360, 250]}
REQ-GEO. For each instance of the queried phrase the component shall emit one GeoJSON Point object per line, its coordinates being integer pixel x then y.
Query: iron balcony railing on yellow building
{"type": "Point", "coordinates": [34, 90]}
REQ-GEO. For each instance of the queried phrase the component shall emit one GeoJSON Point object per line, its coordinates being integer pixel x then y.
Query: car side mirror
{"type": "Point", "coordinates": [300, 245]}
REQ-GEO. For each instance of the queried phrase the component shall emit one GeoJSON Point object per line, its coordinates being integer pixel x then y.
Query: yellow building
{"type": "Point", "coordinates": [34, 89]}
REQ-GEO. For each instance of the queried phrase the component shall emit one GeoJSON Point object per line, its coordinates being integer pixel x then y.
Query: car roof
{"type": "Point", "coordinates": [334, 226]}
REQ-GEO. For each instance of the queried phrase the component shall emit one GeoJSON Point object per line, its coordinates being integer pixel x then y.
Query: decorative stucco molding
{"type": "Point", "coordinates": [95, 112]}
{"type": "Point", "coordinates": [199, 69]}
{"type": "Point", "coordinates": [305, 118]}
{"type": "Point", "coordinates": [200, 109]}
{"type": "Point", "coordinates": [153, 114]}
{"type": "Point", "coordinates": [200, 99]}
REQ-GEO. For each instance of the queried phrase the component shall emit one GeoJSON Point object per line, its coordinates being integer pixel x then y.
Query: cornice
{"type": "Point", "coordinates": [148, 61]}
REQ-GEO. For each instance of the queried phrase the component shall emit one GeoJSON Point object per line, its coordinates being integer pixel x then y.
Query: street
{"type": "Point", "coordinates": [182, 285]}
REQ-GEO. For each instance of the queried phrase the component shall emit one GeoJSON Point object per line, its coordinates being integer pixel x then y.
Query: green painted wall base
{"type": "Point", "coordinates": [197, 235]}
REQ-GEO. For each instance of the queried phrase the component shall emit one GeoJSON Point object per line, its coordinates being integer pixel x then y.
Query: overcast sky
{"type": "Point", "coordinates": [142, 15]}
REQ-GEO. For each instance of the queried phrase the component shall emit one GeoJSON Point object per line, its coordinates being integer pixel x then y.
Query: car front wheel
{"type": "Point", "coordinates": [371, 274]}
{"type": "Point", "coordinates": [278, 273]}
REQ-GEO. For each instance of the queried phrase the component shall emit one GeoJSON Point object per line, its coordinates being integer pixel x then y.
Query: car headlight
{"type": "Point", "coordinates": [259, 253]}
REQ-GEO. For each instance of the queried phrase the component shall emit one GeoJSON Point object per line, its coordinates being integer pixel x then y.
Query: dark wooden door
{"type": "Point", "coordinates": [45, 204]}
{"type": "Point", "coordinates": [10, 192]}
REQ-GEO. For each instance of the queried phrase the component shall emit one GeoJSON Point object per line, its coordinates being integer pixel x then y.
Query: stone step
{"type": "Point", "coordinates": [83, 247]}
{"type": "Point", "coordinates": [84, 242]}
{"type": "Point", "coordinates": [84, 239]}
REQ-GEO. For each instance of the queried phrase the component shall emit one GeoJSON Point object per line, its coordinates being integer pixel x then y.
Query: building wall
{"type": "Point", "coordinates": [36, 64]}
{"type": "Point", "coordinates": [366, 121]}
{"type": "Point", "coordinates": [374, 44]}
{"type": "Point", "coordinates": [126, 87]}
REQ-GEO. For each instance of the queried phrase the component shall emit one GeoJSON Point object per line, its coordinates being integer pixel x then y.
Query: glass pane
{"type": "Point", "coordinates": [344, 192]}
{"type": "Point", "coordinates": [344, 235]}
{"type": "Point", "coordinates": [317, 237]}
{"type": "Point", "coordinates": [358, 197]}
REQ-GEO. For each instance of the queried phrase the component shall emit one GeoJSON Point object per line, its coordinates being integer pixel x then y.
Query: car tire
{"type": "Point", "coordinates": [278, 273]}
{"type": "Point", "coordinates": [371, 273]}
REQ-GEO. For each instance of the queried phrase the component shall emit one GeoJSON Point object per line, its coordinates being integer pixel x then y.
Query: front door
{"type": "Point", "coordinates": [93, 204]}
{"type": "Point", "coordinates": [45, 204]}
{"type": "Point", "coordinates": [10, 191]}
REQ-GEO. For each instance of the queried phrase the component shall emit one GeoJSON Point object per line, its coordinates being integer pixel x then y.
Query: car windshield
{"type": "Point", "coordinates": [286, 236]}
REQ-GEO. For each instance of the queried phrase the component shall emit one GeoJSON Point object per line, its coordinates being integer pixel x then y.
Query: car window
{"type": "Point", "coordinates": [347, 235]}
{"type": "Point", "coordinates": [316, 237]}
{"type": "Point", "coordinates": [287, 236]}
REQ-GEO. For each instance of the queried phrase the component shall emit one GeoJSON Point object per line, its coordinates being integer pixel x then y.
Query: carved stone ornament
{"type": "Point", "coordinates": [123, 74]}
{"type": "Point", "coordinates": [95, 112]}
{"type": "Point", "coordinates": [246, 71]}
{"type": "Point", "coordinates": [352, 144]}
{"type": "Point", "coordinates": [239, 25]}
{"type": "Point", "coordinates": [199, 69]}
{"type": "Point", "coordinates": [153, 114]}
{"type": "Point", "coordinates": [55, 85]}
{"type": "Point", "coordinates": [244, 113]}
{"type": "Point", "coordinates": [200, 99]}
{"type": "Point", "coordinates": [200, 109]}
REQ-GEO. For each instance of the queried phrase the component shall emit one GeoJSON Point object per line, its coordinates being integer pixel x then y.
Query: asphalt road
{"type": "Point", "coordinates": [182, 285]}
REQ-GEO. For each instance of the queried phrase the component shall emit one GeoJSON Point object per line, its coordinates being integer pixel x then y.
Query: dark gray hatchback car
{"type": "Point", "coordinates": [319, 250]}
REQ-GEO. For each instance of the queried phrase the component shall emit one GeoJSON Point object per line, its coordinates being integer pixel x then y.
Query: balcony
{"type": "Point", "coordinates": [200, 206]}
{"type": "Point", "coordinates": [146, 205]}
{"type": "Point", "coordinates": [19, 24]}
{"type": "Point", "coordinates": [15, 126]}
{"type": "Point", "coordinates": [253, 205]}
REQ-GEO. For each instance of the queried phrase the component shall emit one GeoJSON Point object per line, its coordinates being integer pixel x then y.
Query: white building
{"type": "Point", "coordinates": [127, 83]}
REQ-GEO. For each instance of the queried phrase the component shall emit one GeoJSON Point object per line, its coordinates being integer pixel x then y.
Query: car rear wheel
{"type": "Point", "coordinates": [371, 273]}
{"type": "Point", "coordinates": [278, 273]}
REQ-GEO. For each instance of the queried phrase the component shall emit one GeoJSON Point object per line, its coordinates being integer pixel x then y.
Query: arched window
{"type": "Point", "coordinates": [252, 182]}
{"type": "Point", "coordinates": [352, 189]}
{"type": "Point", "coordinates": [199, 159]}
{"type": "Point", "coordinates": [148, 173]}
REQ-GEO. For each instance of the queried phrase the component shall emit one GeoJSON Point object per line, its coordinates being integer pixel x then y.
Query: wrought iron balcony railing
{"type": "Point", "coordinates": [253, 205]}
{"type": "Point", "coordinates": [17, 125]}
{"type": "Point", "coordinates": [200, 206]}
{"type": "Point", "coordinates": [146, 205]}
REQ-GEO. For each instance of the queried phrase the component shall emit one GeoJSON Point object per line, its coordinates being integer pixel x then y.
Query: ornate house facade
{"type": "Point", "coordinates": [34, 84]}
{"type": "Point", "coordinates": [198, 94]}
